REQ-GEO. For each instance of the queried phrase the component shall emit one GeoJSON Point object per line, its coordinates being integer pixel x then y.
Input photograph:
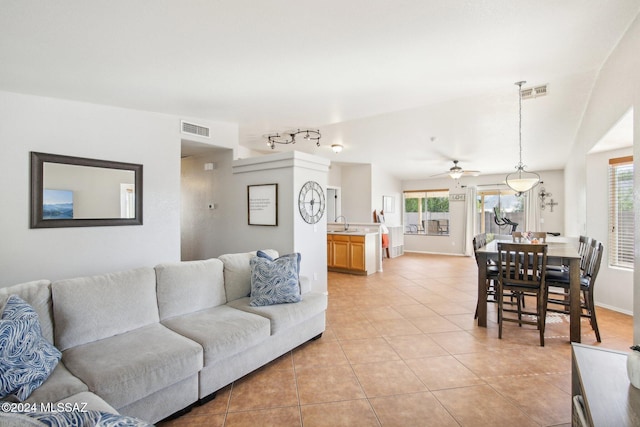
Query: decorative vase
{"type": "Point", "coordinates": [633, 368]}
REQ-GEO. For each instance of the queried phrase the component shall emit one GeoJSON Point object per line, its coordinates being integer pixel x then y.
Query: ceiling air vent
{"type": "Point", "coordinates": [193, 129]}
{"type": "Point", "coordinates": [534, 92]}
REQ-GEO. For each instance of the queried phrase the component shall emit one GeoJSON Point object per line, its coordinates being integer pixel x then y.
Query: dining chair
{"type": "Point", "coordinates": [560, 280]}
{"type": "Point", "coordinates": [521, 271]}
{"type": "Point", "coordinates": [584, 245]}
{"type": "Point", "coordinates": [519, 236]}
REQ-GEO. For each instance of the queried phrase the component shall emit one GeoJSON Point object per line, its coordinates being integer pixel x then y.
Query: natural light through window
{"type": "Point", "coordinates": [426, 212]}
{"type": "Point", "coordinates": [621, 215]}
{"type": "Point", "coordinates": [494, 206]}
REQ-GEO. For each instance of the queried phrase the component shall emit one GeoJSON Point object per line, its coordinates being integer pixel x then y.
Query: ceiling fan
{"type": "Point", "coordinates": [456, 172]}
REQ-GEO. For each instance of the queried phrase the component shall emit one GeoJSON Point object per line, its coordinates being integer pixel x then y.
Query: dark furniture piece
{"type": "Point", "coordinates": [522, 269]}
{"type": "Point", "coordinates": [600, 388]}
{"type": "Point", "coordinates": [590, 265]}
{"type": "Point", "coordinates": [558, 253]}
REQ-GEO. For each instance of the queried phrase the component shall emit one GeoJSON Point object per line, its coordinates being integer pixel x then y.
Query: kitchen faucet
{"type": "Point", "coordinates": [346, 225]}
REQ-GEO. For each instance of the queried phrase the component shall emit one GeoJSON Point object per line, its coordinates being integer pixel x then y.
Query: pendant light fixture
{"type": "Point", "coordinates": [521, 180]}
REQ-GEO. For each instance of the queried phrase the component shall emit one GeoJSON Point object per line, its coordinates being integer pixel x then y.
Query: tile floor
{"type": "Point", "coordinates": [402, 349]}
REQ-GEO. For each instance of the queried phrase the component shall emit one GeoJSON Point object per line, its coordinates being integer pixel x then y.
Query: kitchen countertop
{"type": "Point", "coordinates": [352, 233]}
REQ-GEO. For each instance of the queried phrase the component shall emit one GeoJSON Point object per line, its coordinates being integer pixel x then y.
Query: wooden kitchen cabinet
{"type": "Point", "coordinates": [351, 253]}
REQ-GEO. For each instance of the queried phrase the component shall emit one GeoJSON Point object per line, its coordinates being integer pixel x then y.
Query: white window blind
{"type": "Point", "coordinates": [621, 216]}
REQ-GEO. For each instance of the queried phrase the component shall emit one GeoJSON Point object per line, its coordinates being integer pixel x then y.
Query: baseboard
{"type": "Point", "coordinates": [612, 308]}
{"type": "Point", "coordinates": [433, 253]}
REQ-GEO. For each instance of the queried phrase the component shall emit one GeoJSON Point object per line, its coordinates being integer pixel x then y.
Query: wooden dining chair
{"type": "Point", "coordinates": [559, 280]}
{"type": "Point", "coordinates": [521, 271]}
{"type": "Point", "coordinates": [519, 236]}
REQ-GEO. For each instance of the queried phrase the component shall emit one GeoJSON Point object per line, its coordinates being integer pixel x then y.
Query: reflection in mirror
{"type": "Point", "coordinates": [76, 192]}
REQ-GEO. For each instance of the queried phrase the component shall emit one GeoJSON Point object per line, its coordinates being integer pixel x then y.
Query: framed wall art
{"type": "Point", "coordinates": [262, 204]}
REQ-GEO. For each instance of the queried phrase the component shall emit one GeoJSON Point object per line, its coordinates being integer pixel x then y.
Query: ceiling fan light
{"type": "Point", "coordinates": [456, 174]}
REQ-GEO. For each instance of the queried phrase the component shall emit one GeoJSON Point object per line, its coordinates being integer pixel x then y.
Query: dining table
{"type": "Point", "coordinates": [558, 252]}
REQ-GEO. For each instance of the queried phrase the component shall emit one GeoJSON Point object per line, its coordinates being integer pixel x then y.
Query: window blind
{"type": "Point", "coordinates": [621, 215]}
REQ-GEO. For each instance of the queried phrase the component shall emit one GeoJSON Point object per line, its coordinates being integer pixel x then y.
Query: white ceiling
{"type": "Point", "coordinates": [381, 77]}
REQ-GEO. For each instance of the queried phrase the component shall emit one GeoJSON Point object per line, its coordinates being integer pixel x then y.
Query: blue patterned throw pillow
{"type": "Point", "coordinates": [274, 281]}
{"type": "Point", "coordinates": [26, 357]}
{"type": "Point", "coordinates": [87, 419]}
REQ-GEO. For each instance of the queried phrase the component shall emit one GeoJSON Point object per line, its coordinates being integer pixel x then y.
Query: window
{"type": "Point", "coordinates": [426, 212]}
{"type": "Point", "coordinates": [621, 220]}
{"type": "Point", "coordinates": [506, 204]}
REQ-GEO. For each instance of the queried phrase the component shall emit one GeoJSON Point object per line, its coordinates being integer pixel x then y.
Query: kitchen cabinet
{"type": "Point", "coordinates": [351, 253]}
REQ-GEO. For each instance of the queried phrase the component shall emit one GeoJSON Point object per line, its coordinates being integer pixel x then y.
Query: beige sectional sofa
{"type": "Point", "coordinates": [150, 342]}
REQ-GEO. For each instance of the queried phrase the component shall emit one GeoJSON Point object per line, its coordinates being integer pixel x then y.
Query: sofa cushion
{"type": "Point", "coordinates": [88, 309]}
{"type": "Point", "coordinates": [222, 331]}
{"type": "Point", "coordinates": [125, 368]}
{"type": "Point", "coordinates": [187, 287]}
{"type": "Point", "coordinates": [88, 401]}
{"type": "Point", "coordinates": [26, 358]}
{"type": "Point", "coordinates": [38, 295]}
{"type": "Point", "coordinates": [237, 272]}
{"type": "Point", "coordinates": [274, 281]}
{"type": "Point", "coordinates": [285, 316]}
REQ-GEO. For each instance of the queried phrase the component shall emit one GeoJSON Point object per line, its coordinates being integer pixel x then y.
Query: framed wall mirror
{"type": "Point", "coordinates": [79, 192]}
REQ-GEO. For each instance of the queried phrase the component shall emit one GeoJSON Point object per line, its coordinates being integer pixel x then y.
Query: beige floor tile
{"type": "Point", "coordinates": [547, 406]}
{"type": "Point", "coordinates": [354, 332]}
{"type": "Point", "coordinates": [415, 346]}
{"type": "Point", "coordinates": [368, 350]}
{"type": "Point", "coordinates": [277, 417]}
{"type": "Point", "coordinates": [434, 324]}
{"type": "Point", "coordinates": [482, 406]}
{"type": "Point", "coordinates": [202, 420]}
{"type": "Point", "coordinates": [352, 413]}
{"type": "Point", "coordinates": [319, 384]}
{"type": "Point", "coordinates": [319, 353]}
{"type": "Point", "coordinates": [264, 389]}
{"type": "Point", "coordinates": [459, 342]}
{"type": "Point", "coordinates": [395, 327]}
{"type": "Point", "coordinates": [380, 314]}
{"type": "Point", "coordinates": [387, 378]}
{"type": "Point", "coordinates": [441, 372]}
{"type": "Point", "coordinates": [447, 371]}
{"type": "Point", "coordinates": [417, 409]}
{"type": "Point", "coordinates": [413, 311]}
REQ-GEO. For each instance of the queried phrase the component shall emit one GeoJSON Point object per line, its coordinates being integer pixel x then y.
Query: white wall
{"type": "Point", "coordinates": [616, 90]}
{"type": "Point", "coordinates": [357, 190]}
{"type": "Point", "coordinates": [48, 125]}
{"type": "Point", "coordinates": [290, 170]}
{"type": "Point", "coordinates": [614, 285]}
{"type": "Point", "coordinates": [204, 230]}
{"type": "Point", "coordinates": [383, 184]}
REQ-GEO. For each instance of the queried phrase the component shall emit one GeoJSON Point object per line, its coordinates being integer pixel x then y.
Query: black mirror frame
{"type": "Point", "coordinates": [37, 181]}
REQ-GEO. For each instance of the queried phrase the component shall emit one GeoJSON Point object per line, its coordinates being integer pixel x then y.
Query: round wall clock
{"type": "Point", "coordinates": [311, 202]}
